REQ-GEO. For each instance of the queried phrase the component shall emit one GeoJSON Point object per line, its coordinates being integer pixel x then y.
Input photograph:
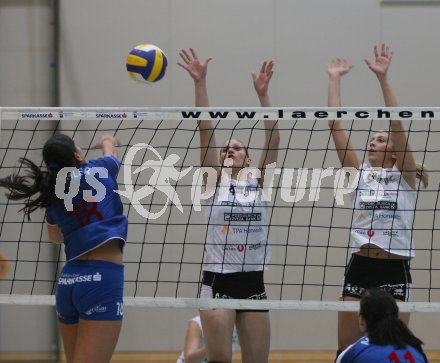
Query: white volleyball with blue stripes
{"type": "Point", "coordinates": [147, 63]}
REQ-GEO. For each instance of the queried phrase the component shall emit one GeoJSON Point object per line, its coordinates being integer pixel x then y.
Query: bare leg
{"type": "Point", "coordinates": [253, 330]}
{"type": "Point", "coordinates": [404, 317]}
{"type": "Point", "coordinates": [68, 334]}
{"type": "Point", "coordinates": [96, 340]}
{"type": "Point", "coordinates": [218, 326]}
{"type": "Point", "coordinates": [348, 326]}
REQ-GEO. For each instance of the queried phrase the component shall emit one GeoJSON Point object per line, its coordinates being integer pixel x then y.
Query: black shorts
{"type": "Point", "coordinates": [364, 273]}
{"type": "Point", "coordinates": [237, 285]}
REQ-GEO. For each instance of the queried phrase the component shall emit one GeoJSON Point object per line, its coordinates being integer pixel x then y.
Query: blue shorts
{"type": "Point", "coordinates": [90, 290]}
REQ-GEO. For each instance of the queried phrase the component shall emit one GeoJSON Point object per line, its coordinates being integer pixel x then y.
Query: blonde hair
{"type": "Point", "coordinates": [422, 174]}
{"type": "Point", "coordinates": [421, 169]}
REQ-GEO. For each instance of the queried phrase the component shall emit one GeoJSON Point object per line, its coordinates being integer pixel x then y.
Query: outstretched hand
{"type": "Point", "coordinates": [104, 138]}
{"type": "Point", "coordinates": [382, 60]}
{"type": "Point", "coordinates": [338, 67]}
{"type": "Point", "coordinates": [261, 81]}
{"type": "Point", "coordinates": [196, 69]}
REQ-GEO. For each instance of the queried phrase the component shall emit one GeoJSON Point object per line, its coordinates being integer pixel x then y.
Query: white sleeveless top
{"type": "Point", "coordinates": [181, 358]}
{"type": "Point", "coordinates": [236, 217]}
{"type": "Point", "coordinates": [383, 214]}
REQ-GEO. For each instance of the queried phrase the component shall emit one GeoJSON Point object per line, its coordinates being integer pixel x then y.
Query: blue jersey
{"type": "Point", "coordinates": [91, 224]}
{"type": "Point", "coordinates": [364, 352]}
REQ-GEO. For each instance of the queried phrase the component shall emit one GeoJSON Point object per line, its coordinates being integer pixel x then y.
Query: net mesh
{"type": "Point", "coordinates": [309, 225]}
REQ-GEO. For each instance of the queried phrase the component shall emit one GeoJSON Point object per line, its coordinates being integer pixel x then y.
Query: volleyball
{"type": "Point", "coordinates": [147, 63]}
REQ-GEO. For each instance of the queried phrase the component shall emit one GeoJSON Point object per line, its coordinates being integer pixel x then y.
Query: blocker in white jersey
{"type": "Point", "coordinates": [236, 217]}
{"type": "Point", "coordinates": [383, 203]}
{"type": "Point", "coordinates": [236, 248]}
{"type": "Point", "coordinates": [383, 213]}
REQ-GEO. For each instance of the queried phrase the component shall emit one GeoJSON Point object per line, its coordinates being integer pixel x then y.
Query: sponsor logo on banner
{"type": "Point", "coordinates": [111, 115]}
{"type": "Point", "coordinates": [35, 115]}
{"type": "Point", "coordinates": [149, 115]}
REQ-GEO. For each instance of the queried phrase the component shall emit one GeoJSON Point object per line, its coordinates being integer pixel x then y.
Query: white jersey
{"type": "Point", "coordinates": [236, 239]}
{"type": "Point", "coordinates": [181, 358]}
{"type": "Point", "coordinates": [383, 212]}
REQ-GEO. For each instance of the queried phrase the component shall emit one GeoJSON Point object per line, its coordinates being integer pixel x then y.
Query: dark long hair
{"type": "Point", "coordinates": [381, 313]}
{"type": "Point", "coordinates": [58, 152]}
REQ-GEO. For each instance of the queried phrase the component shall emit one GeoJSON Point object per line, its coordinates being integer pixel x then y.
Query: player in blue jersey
{"type": "Point", "coordinates": [387, 339]}
{"type": "Point", "coordinates": [83, 211]}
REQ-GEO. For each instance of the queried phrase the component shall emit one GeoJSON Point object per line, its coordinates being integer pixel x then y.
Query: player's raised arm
{"type": "Point", "coordinates": [108, 145]}
{"type": "Point", "coordinates": [269, 153]}
{"type": "Point", "coordinates": [405, 161]}
{"type": "Point", "coordinates": [348, 157]}
{"type": "Point", "coordinates": [198, 71]}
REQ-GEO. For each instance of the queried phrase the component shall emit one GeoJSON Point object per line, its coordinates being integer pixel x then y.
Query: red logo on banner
{"type": "Point", "coordinates": [370, 233]}
{"type": "Point", "coordinates": [240, 248]}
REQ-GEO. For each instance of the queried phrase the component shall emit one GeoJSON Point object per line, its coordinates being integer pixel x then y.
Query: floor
{"type": "Point", "coordinates": [170, 357]}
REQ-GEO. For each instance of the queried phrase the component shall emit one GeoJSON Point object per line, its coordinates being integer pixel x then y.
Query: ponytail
{"type": "Point", "coordinates": [34, 182]}
{"type": "Point", "coordinates": [58, 152]}
{"type": "Point", "coordinates": [383, 326]}
{"type": "Point", "coordinates": [391, 330]}
{"type": "Point", "coordinates": [422, 174]}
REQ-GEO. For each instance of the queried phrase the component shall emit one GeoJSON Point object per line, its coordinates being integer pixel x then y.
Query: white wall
{"type": "Point", "coordinates": [24, 81]}
{"type": "Point", "coordinates": [301, 36]}
{"type": "Point", "coordinates": [24, 53]}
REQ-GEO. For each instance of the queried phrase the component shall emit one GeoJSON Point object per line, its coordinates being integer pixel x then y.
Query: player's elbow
{"type": "Point", "coordinates": [5, 266]}
{"type": "Point", "coordinates": [55, 234]}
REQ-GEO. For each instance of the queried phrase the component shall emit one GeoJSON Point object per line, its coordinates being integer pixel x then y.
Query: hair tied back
{"type": "Point", "coordinates": [54, 166]}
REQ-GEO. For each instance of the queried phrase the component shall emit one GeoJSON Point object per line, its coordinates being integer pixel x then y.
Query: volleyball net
{"type": "Point", "coordinates": [309, 211]}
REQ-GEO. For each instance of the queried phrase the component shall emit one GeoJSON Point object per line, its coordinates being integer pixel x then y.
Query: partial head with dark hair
{"type": "Point", "coordinates": [58, 152]}
{"type": "Point", "coordinates": [377, 305]}
{"type": "Point", "coordinates": [379, 318]}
